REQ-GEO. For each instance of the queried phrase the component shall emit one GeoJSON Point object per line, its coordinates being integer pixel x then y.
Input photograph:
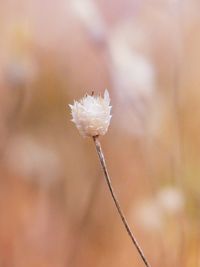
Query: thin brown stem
{"type": "Point", "coordinates": [123, 218]}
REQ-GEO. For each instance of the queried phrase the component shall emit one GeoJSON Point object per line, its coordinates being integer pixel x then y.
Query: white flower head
{"type": "Point", "coordinates": [91, 114]}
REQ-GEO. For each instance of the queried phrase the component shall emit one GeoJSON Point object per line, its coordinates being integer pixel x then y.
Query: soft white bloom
{"type": "Point", "coordinates": [21, 71]}
{"type": "Point", "coordinates": [33, 161]}
{"type": "Point", "coordinates": [171, 200]}
{"type": "Point", "coordinates": [134, 80]}
{"type": "Point", "coordinates": [133, 70]}
{"type": "Point", "coordinates": [91, 114]}
{"type": "Point", "coordinates": [88, 12]}
{"type": "Point", "coordinates": [149, 215]}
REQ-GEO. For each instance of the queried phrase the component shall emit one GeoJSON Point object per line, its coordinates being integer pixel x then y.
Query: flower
{"type": "Point", "coordinates": [27, 158]}
{"type": "Point", "coordinates": [91, 114]}
{"type": "Point", "coordinates": [90, 16]}
{"type": "Point", "coordinates": [135, 73]}
{"type": "Point", "coordinates": [171, 199]}
{"type": "Point", "coordinates": [148, 215]}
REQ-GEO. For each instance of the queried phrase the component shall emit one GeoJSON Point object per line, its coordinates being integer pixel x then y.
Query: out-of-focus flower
{"type": "Point", "coordinates": [133, 77]}
{"type": "Point", "coordinates": [91, 114]}
{"type": "Point", "coordinates": [21, 72]}
{"type": "Point", "coordinates": [20, 65]}
{"type": "Point", "coordinates": [171, 200]}
{"type": "Point", "coordinates": [151, 213]}
{"type": "Point", "coordinates": [88, 12]}
{"type": "Point", "coordinates": [32, 161]}
{"type": "Point", "coordinates": [148, 214]}
{"type": "Point", "coordinates": [131, 70]}
{"type": "Point", "coordinates": [19, 68]}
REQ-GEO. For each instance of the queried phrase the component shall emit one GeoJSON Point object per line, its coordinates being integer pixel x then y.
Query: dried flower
{"type": "Point", "coordinates": [91, 114]}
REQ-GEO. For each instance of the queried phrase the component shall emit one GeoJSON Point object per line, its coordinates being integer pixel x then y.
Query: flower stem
{"type": "Point", "coordinates": [123, 218]}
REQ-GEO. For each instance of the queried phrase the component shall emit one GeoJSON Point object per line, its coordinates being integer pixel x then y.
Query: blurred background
{"type": "Point", "coordinates": [56, 210]}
